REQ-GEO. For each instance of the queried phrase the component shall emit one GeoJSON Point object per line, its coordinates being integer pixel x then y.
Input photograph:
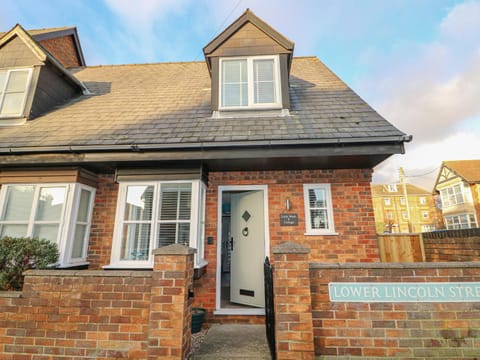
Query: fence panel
{"type": "Point", "coordinates": [401, 248]}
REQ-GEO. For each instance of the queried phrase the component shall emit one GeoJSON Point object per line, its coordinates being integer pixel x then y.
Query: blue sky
{"type": "Point", "coordinates": [417, 62]}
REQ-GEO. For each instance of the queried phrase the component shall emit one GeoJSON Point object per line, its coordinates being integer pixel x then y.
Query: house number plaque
{"type": "Point", "coordinates": [288, 219]}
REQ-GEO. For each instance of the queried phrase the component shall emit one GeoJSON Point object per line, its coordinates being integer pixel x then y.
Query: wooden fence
{"type": "Point", "coordinates": [401, 248]}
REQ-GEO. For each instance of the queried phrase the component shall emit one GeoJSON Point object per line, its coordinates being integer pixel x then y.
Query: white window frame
{"type": "Point", "coordinates": [250, 81]}
{"type": "Point", "coordinates": [330, 216]}
{"type": "Point", "coordinates": [425, 215]}
{"type": "Point", "coordinates": [197, 223]}
{"type": "Point", "coordinates": [454, 222]}
{"type": "Point", "coordinates": [392, 188]}
{"type": "Point", "coordinates": [387, 201]}
{"type": "Point", "coordinates": [455, 195]}
{"type": "Point", "coordinates": [24, 100]}
{"type": "Point", "coordinates": [67, 222]}
{"type": "Point", "coordinates": [403, 201]}
{"type": "Point", "coordinates": [423, 200]}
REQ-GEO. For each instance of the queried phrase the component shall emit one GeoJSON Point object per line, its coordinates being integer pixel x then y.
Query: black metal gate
{"type": "Point", "coordinates": [269, 307]}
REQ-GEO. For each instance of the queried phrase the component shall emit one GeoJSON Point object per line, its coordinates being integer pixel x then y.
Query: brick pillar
{"type": "Point", "coordinates": [293, 305]}
{"type": "Point", "coordinates": [170, 308]}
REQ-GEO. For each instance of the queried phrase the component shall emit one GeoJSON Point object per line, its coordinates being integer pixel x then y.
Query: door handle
{"type": "Point", "coordinates": [231, 244]}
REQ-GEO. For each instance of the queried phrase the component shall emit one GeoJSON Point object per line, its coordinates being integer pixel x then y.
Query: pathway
{"type": "Point", "coordinates": [234, 341]}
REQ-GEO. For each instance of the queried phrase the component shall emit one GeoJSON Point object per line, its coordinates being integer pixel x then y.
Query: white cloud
{"type": "Point", "coordinates": [462, 23]}
{"type": "Point", "coordinates": [143, 14]}
{"type": "Point", "coordinates": [424, 160]}
{"type": "Point", "coordinates": [432, 92]}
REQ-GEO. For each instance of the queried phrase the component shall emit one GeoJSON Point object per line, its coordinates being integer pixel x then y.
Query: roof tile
{"type": "Point", "coordinates": [170, 103]}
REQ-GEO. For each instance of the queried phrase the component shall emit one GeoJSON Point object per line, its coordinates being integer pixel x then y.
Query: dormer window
{"type": "Point", "coordinates": [250, 82]}
{"type": "Point", "coordinates": [13, 91]}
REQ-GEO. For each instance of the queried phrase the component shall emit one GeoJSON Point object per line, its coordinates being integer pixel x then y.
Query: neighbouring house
{"type": "Point", "coordinates": [231, 156]}
{"type": "Point", "coordinates": [404, 208]}
{"type": "Point", "coordinates": [458, 183]}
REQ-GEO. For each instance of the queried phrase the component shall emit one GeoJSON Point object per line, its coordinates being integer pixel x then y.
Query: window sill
{"type": "Point", "coordinates": [250, 112]}
{"type": "Point", "coordinates": [326, 233]}
{"type": "Point", "coordinates": [197, 267]}
{"type": "Point", "coordinates": [127, 267]}
{"type": "Point", "coordinates": [82, 264]}
{"type": "Point", "coordinates": [12, 121]}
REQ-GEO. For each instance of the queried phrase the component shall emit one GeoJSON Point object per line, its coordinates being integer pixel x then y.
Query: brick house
{"type": "Point", "coordinates": [231, 156]}
{"type": "Point", "coordinates": [458, 183]}
{"type": "Point", "coordinates": [404, 209]}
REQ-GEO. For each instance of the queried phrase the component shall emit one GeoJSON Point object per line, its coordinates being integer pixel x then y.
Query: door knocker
{"type": "Point", "coordinates": [245, 231]}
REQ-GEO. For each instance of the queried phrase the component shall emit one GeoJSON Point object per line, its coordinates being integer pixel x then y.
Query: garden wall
{"type": "Point", "coordinates": [452, 245]}
{"type": "Point", "coordinates": [414, 330]}
{"type": "Point", "coordinates": [101, 314]}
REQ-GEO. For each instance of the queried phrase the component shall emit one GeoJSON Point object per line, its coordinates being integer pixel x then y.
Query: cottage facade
{"type": "Point", "coordinates": [231, 156]}
{"type": "Point", "coordinates": [459, 189]}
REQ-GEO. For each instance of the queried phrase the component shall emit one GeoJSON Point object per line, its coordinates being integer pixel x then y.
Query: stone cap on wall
{"type": "Point", "coordinates": [290, 248]}
{"type": "Point", "coordinates": [174, 249]}
{"type": "Point", "coordinates": [423, 265]}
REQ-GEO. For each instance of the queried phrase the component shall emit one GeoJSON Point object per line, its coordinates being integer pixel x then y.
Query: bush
{"type": "Point", "coordinates": [20, 254]}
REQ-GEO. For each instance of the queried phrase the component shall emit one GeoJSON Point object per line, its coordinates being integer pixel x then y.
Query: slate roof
{"type": "Point", "coordinates": [169, 104]}
{"type": "Point", "coordinates": [381, 190]}
{"type": "Point", "coordinates": [469, 170]}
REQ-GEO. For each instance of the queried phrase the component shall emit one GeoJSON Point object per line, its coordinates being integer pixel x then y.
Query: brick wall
{"type": "Point", "coordinates": [353, 215]}
{"type": "Point", "coordinates": [103, 222]}
{"type": "Point", "coordinates": [452, 245]}
{"type": "Point", "coordinates": [63, 49]}
{"type": "Point", "coordinates": [413, 330]}
{"type": "Point", "coordinates": [101, 314]}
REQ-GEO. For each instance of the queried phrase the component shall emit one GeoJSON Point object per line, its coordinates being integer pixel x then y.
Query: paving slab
{"type": "Point", "coordinates": [234, 341]}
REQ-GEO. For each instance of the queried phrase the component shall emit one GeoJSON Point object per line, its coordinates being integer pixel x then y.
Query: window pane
{"type": "Point", "coordinates": [12, 103]}
{"type": "Point", "coordinates": [135, 242]}
{"type": "Point", "coordinates": [317, 198]}
{"type": "Point", "coordinates": [13, 230]}
{"type": "Point", "coordinates": [78, 241]}
{"type": "Point", "coordinates": [46, 231]}
{"type": "Point", "coordinates": [234, 71]}
{"type": "Point", "coordinates": [166, 234]}
{"type": "Point", "coordinates": [175, 202]}
{"type": "Point", "coordinates": [50, 204]}
{"type": "Point", "coordinates": [18, 203]}
{"type": "Point", "coordinates": [17, 81]}
{"type": "Point", "coordinates": [185, 208]}
{"type": "Point", "coordinates": [264, 84]}
{"type": "Point", "coordinates": [168, 206]}
{"type": "Point", "coordinates": [234, 83]}
{"type": "Point", "coordinates": [139, 203]}
{"type": "Point", "coordinates": [184, 234]}
{"type": "Point", "coordinates": [319, 219]}
{"type": "Point", "coordinates": [235, 95]}
{"type": "Point", "coordinates": [84, 205]}
{"type": "Point", "coordinates": [3, 77]}
{"type": "Point", "coordinates": [264, 93]}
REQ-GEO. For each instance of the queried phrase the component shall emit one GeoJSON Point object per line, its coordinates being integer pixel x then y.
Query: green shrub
{"type": "Point", "coordinates": [20, 254]}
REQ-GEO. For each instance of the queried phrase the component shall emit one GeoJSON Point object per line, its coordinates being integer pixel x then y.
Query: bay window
{"type": "Point", "coordinates": [156, 214]}
{"type": "Point", "coordinates": [60, 213]}
{"type": "Point", "coordinates": [455, 195]}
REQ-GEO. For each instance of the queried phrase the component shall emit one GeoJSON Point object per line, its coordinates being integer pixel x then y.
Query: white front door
{"type": "Point", "coordinates": [247, 248]}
